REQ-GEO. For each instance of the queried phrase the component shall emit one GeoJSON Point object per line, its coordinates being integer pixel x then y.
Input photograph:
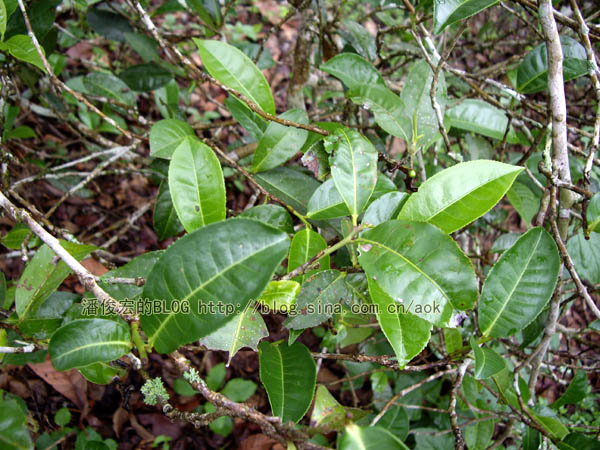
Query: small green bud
{"type": "Point", "coordinates": [154, 391]}
{"type": "Point", "coordinates": [412, 173]}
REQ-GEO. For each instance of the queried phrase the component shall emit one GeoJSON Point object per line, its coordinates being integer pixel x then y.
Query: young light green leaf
{"type": "Point", "coordinates": [292, 186]}
{"type": "Point", "coordinates": [289, 374]}
{"type": "Point", "coordinates": [532, 75]}
{"type": "Point", "coordinates": [146, 77]}
{"type": "Point", "coordinates": [101, 373]}
{"type": "Point", "coordinates": [447, 12]}
{"type": "Point", "coordinates": [165, 220]}
{"type": "Point", "coordinates": [43, 275]}
{"type": "Point", "coordinates": [487, 362]}
{"type": "Point", "coordinates": [274, 215]}
{"type": "Point", "coordinates": [354, 169]}
{"type": "Point", "coordinates": [234, 69]}
{"type": "Point", "coordinates": [328, 413]}
{"type": "Point", "coordinates": [196, 185]}
{"type": "Point", "coordinates": [481, 117]}
{"type": "Point", "coordinates": [326, 202]}
{"type": "Point", "coordinates": [246, 329]}
{"type": "Point", "coordinates": [352, 70]}
{"type": "Point", "coordinates": [21, 47]}
{"type": "Point", "coordinates": [87, 341]}
{"type": "Point", "coordinates": [305, 245]}
{"type": "Point", "coordinates": [519, 285]}
{"type": "Point", "coordinates": [369, 438]}
{"type": "Point", "coordinates": [218, 269]}
{"type": "Point", "coordinates": [280, 296]}
{"type": "Point", "coordinates": [279, 143]}
{"type": "Point", "coordinates": [420, 267]}
{"type": "Point", "coordinates": [166, 135]}
{"type": "Point", "coordinates": [408, 334]}
{"type": "Point", "coordinates": [460, 194]}
{"type": "Point", "coordinates": [385, 208]}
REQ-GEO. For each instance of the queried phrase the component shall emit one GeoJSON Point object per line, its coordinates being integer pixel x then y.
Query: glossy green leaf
{"type": "Point", "coordinates": [292, 186]}
{"type": "Point", "coordinates": [21, 47]}
{"type": "Point", "coordinates": [107, 85]}
{"type": "Point", "coordinates": [593, 214]}
{"type": "Point", "coordinates": [447, 12]}
{"type": "Point", "coordinates": [326, 202]}
{"type": "Point", "coordinates": [280, 296]}
{"type": "Point", "coordinates": [328, 413]}
{"type": "Point", "coordinates": [279, 143]}
{"type": "Point", "coordinates": [408, 334]}
{"type": "Point", "coordinates": [359, 38]}
{"type": "Point", "coordinates": [43, 275]}
{"type": "Point", "coordinates": [239, 390]}
{"type": "Point", "coordinates": [87, 341]}
{"type": "Point", "coordinates": [385, 208]}
{"type": "Point", "coordinates": [196, 185]}
{"type": "Point", "coordinates": [248, 119]}
{"type": "Point", "coordinates": [289, 374]}
{"type": "Point", "coordinates": [577, 390]}
{"type": "Point", "coordinates": [460, 194]}
{"type": "Point", "coordinates": [13, 423]}
{"type": "Point", "coordinates": [352, 70]}
{"type": "Point", "coordinates": [15, 237]}
{"type": "Point", "coordinates": [318, 296]}
{"type": "Point", "coordinates": [101, 373]}
{"type": "Point", "coordinates": [519, 285]}
{"type": "Point", "coordinates": [111, 25]}
{"type": "Point", "coordinates": [532, 75]}
{"type": "Point", "coordinates": [218, 269]}
{"type": "Point", "coordinates": [305, 245]}
{"type": "Point", "coordinates": [389, 110]}
{"type": "Point", "coordinates": [369, 438]}
{"type": "Point", "coordinates": [166, 135]}
{"type": "Point", "coordinates": [140, 266]}
{"type": "Point", "coordinates": [233, 68]}
{"type": "Point", "coordinates": [274, 215]}
{"type": "Point", "coordinates": [49, 316]}
{"type": "Point", "coordinates": [487, 362]}
{"type": "Point", "coordinates": [419, 267]}
{"type": "Point", "coordinates": [524, 201]}
{"type": "Point", "coordinates": [246, 329]}
{"type": "Point", "coordinates": [354, 169]}
{"type": "Point", "coordinates": [165, 220]}
{"type": "Point", "coordinates": [481, 117]}
{"type": "Point", "coordinates": [586, 256]}
{"type": "Point", "coordinates": [146, 77]}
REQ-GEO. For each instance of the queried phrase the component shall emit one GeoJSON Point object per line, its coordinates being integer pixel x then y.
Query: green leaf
{"type": "Point", "coordinates": [145, 46]}
{"type": "Point", "coordinates": [13, 423]}
{"type": "Point", "coordinates": [49, 316]}
{"type": "Point", "coordinates": [354, 169]}
{"type": "Point", "coordinates": [216, 377]}
{"type": "Point", "coordinates": [532, 75]}
{"type": "Point", "coordinates": [140, 266]}
{"type": "Point", "coordinates": [524, 201]}
{"type": "Point", "coordinates": [531, 439]}
{"type": "Point", "coordinates": [481, 117]}
{"type": "Point", "coordinates": [479, 435]}
{"type": "Point", "coordinates": [593, 214]}
{"type": "Point", "coordinates": [328, 413]}
{"type": "Point", "coordinates": [15, 237]}
{"type": "Point", "coordinates": [146, 77]}
{"type": "Point", "coordinates": [385, 208]}
{"type": "Point", "coordinates": [352, 70]}
{"type": "Point", "coordinates": [107, 85]}
{"type": "Point", "coordinates": [289, 374]}
{"type": "Point", "coordinates": [3, 20]}
{"type": "Point", "coordinates": [234, 69]}
{"type": "Point", "coordinates": [359, 38]}
{"type": "Point", "coordinates": [447, 12]}
{"type": "Point", "coordinates": [452, 340]}
{"type": "Point", "coordinates": [519, 285]}
{"type": "Point", "coordinates": [420, 267]}
{"type": "Point", "coordinates": [166, 135]}
{"type": "Point", "coordinates": [396, 421]}
{"type": "Point", "coordinates": [21, 47]}
{"type": "Point", "coordinates": [460, 194]}
{"type": "Point", "coordinates": [305, 245]}
{"type": "Point", "coordinates": [318, 296]}
{"type": "Point", "coordinates": [487, 362]}
{"type": "Point", "coordinates": [326, 202]}
{"type": "Point", "coordinates": [550, 422]}
{"type": "Point", "coordinates": [198, 7]}
{"type": "Point", "coordinates": [246, 329]}
{"type": "Point", "coordinates": [280, 296]}
{"type": "Point", "coordinates": [43, 275]}
{"type": "Point", "coordinates": [62, 417]}
{"type": "Point", "coordinates": [578, 441]}
{"type": "Point", "coordinates": [218, 269]}
{"type": "Point", "coordinates": [274, 215]}
{"type": "Point", "coordinates": [389, 110]}
{"type": "Point", "coordinates": [165, 220]}
{"type": "Point", "coordinates": [408, 334]}
{"type": "Point", "coordinates": [101, 373]}
{"type": "Point", "coordinates": [109, 24]}
{"type": "Point", "coordinates": [239, 390]}
{"type": "Point", "coordinates": [369, 438]}
{"type": "Point", "coordinates": [289, 185]}
{"type": "Point", "coordinates": [197, 185]}
{"type": "Point", "coordinates": [279, 143]}
{"type": "Point", "coordinates": [576, 391]}
{"type": "Point", "coordinates": [586, 256]}
{"type": "Point", "coordinates": [248, 119]}
{"type": "Point", "coordinates": [87, 341]}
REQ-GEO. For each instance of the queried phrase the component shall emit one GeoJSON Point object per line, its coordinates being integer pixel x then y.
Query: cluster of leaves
{"type": "Point", "coordinates": [349, 243]}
